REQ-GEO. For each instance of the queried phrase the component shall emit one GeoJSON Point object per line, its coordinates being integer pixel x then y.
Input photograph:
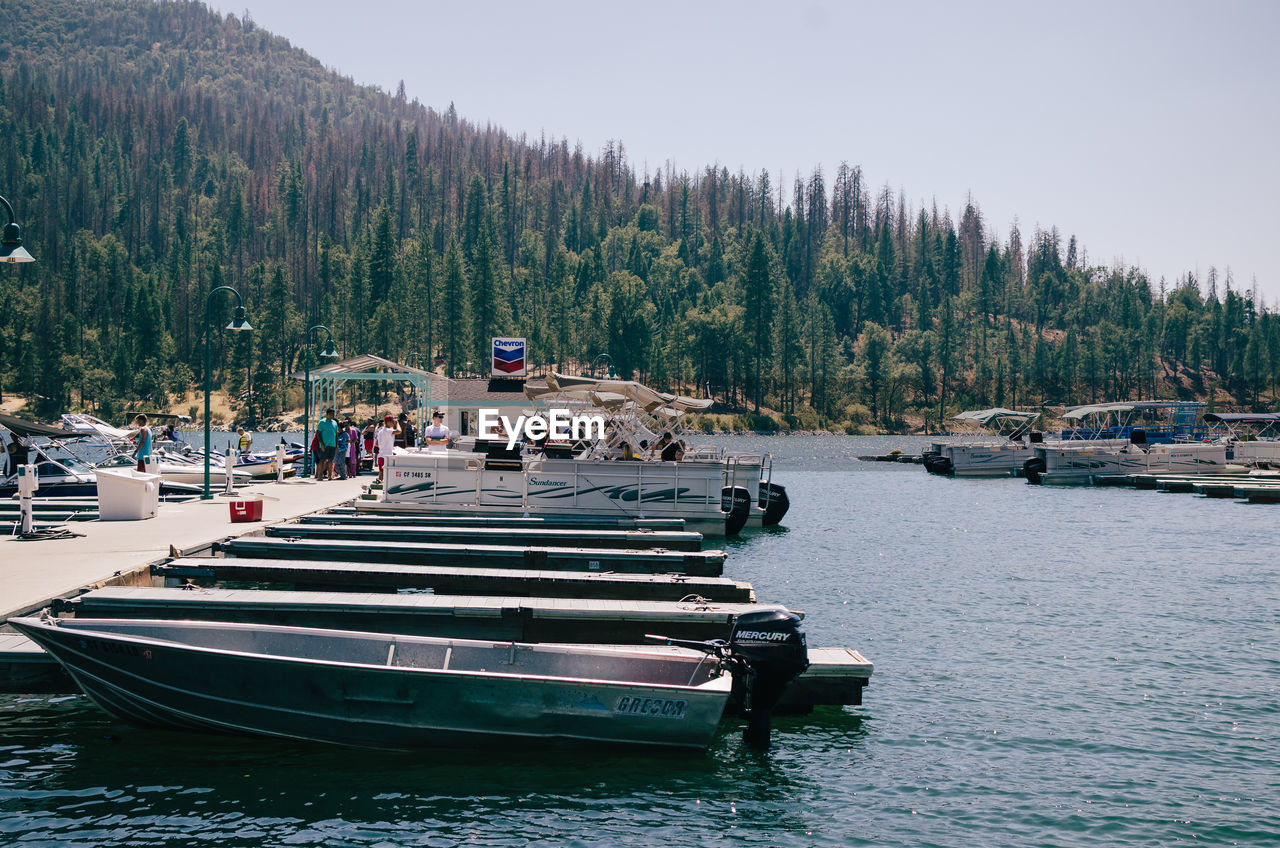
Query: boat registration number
{"type": "Point", "coordinates": [657, 707]}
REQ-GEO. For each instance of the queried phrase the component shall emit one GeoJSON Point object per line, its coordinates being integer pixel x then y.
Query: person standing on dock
{"type": "Point", "coordinates": [340, 458]}
{"type": "Point", "coordinates": [353, 447]}
{"type": "Point", "coordinates": [327, 430]}
{"type": "Point", "coordinates": [436, 437]}
{"type": "Point", "coordinates": [246, 441]}
{"type": "Point", "coordinates": [407, 438]}
{"type": "Point", "coordinates": [384, 444]}
{"type": "Point", "coordinates": [143, 437]}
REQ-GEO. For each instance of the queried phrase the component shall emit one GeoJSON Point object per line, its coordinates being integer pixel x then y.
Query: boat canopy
{"type": "Point", "coordinates": [986, 416]}
{"type": "Point", "coordinates": [1079, 412]}
{"type": "Point", "coordinates": [21, 427]}
{"type": "Point", "coordinates": [1271, 418]}
{"type": "Point", "coordinates": [592, 388]}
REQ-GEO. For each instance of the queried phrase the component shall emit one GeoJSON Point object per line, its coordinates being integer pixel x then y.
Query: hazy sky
{"type": "Point", "coordinates": [1147, 129]}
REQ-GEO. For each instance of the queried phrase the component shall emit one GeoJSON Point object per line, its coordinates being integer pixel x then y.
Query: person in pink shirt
{"type": "Point", "coordinates": [353, 447]}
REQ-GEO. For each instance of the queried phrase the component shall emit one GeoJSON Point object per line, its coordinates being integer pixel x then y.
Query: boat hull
{"type": "Point", "coordinates": [1069, 465]}
{"type": "Point", "coordinates": [380, 691]}
{"type": "Point", "coordinates": [999, 459]}
{"type": "Point", "coordinates": [468, 484]}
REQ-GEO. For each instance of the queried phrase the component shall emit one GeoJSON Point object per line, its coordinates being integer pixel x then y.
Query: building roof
{"type": "Point", "coordinates": [472, 392]}
{"type": "Point", "coordinates": [370, 365]}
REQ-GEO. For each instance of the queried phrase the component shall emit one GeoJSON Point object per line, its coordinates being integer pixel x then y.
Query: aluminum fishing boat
{"type": "Point", "coordinates": [402, 692]}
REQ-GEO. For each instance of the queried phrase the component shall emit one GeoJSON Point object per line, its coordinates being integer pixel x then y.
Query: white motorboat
{"type": "Point", "coordinates": [994, 444]}
{"type": "Point", "coordinates": [64, 471]}
{"type": "Point", "coordinates": [1078, 463]}
{"type": "Point", "coordinates": [1252, 438]}
{"type": "Point", "coordinates": [174, 470]}
{"type": "Point", "coordinates": [1135, 437]}
{"type": "Point", "coordinates": [501, 482]}
{"type": "Point", "coordinates": [716, 492]}
{"type": "Point", "coordinates": [402, 692]}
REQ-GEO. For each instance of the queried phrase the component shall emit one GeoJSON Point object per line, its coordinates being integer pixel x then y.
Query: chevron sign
{"type": "Point", "coordinates": [508, 358]}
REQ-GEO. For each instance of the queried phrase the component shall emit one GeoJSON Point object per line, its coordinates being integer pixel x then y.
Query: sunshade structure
{"type": "Point", "coordinates": [634, 411]}
{"type": "Point", "coordinates": [1244, 425]}
{"type": "Point", "coordinates": [326, 380]}
{"type": "Point", "coordinates": [1011, 422]}
{"type": "Point", "coordinates": [1159, 419]}
{"type": "Point", "coordinates": [26, 429]}
{"type": "Point", "coordinates": [986, 416]}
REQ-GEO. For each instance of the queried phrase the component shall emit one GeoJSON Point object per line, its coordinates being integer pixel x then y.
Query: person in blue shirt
{"type": "Point", "coordinates": [340, 459]}
{"type": "Point", "coordinates": [327, 430]}
{"type": "Point", "coordinates": [144, 441]}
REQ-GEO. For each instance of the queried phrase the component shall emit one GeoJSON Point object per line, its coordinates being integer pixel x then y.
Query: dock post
{"type": "Point", "coordinates": [280, 463]}
{"type": "Point", "coordinates": [27, 485]}
{"type": "Point", "coordinates": [229, 463]}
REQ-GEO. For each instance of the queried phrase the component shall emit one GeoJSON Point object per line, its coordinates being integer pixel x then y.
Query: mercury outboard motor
{"type": "Point", "coordinates": [769, 652]}
{"type": "Point", "coordinates": [1033, 468]}
{"type": "Point", "coordinates": [736, 501]}
{"type": "Point", "coordinates": [765, 653]}
{"type": "Point", "coordinates": [774, 502]}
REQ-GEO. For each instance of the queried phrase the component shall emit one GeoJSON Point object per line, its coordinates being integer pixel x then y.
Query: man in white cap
{"type": "Point", "coordinates": [436, 436]}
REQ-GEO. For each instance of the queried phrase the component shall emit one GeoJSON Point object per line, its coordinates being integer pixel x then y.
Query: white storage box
{"type": "Point", "coordinates": [125, 494]}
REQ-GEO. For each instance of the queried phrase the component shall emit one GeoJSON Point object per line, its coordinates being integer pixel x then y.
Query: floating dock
{"type": "Point", "coordinates": [701, 563]}
{"type": "Point", "coordinates": [350, 516]}
{"type": "Point", "coordinates": [614, 582]}
{"type": "Point", "coordinates": [445, 580]}
{"type": "Point", "coordinates": [578, 620]}
{"type": "Point", "coordinates": [453, 534]}
{"type": "Point", "coordinates": [1252, 487]}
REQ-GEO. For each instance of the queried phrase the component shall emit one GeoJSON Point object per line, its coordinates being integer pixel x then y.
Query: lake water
{"type": "Point", "coordinates": [1057, 667]}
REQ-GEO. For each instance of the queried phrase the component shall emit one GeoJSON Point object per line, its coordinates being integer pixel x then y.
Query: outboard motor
{"type": "Point", "coordinates": [765, 653]}
{"type": "Point", "coordinates": [774, 502]}
{"type": "Point", "coordinates": [1138, 437]}
{"type": "Point", "coordinates": [942, 465]}
{"type": "Point", "coordinates": [768, 651]}
{"type": "Point", "coordinates": [736, 501]}
{"type": "Point", "coordinates": [1033, 468]}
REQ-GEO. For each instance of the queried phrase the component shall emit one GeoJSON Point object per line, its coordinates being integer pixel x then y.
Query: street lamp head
{"type": "Point", "coordinates": [329, 351]}
{"type": "Point", "coordinates": [239, 322]}
{"type": "Point", "coordinates": [11, 249]}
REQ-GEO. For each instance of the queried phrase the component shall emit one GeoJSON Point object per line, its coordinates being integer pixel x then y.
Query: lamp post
{"type": "Point", "coordinates": [237, 323]}
{"type": "Point", "coordinates": [329, 353]}
{"type": "Point", "coordinates": [611, 374]}
{"type": "Point", "coordinates": [11, 249]}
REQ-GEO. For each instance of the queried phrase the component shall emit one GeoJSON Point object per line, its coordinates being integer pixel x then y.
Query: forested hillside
{"type": "Point", "coordinates": [154, 151]}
